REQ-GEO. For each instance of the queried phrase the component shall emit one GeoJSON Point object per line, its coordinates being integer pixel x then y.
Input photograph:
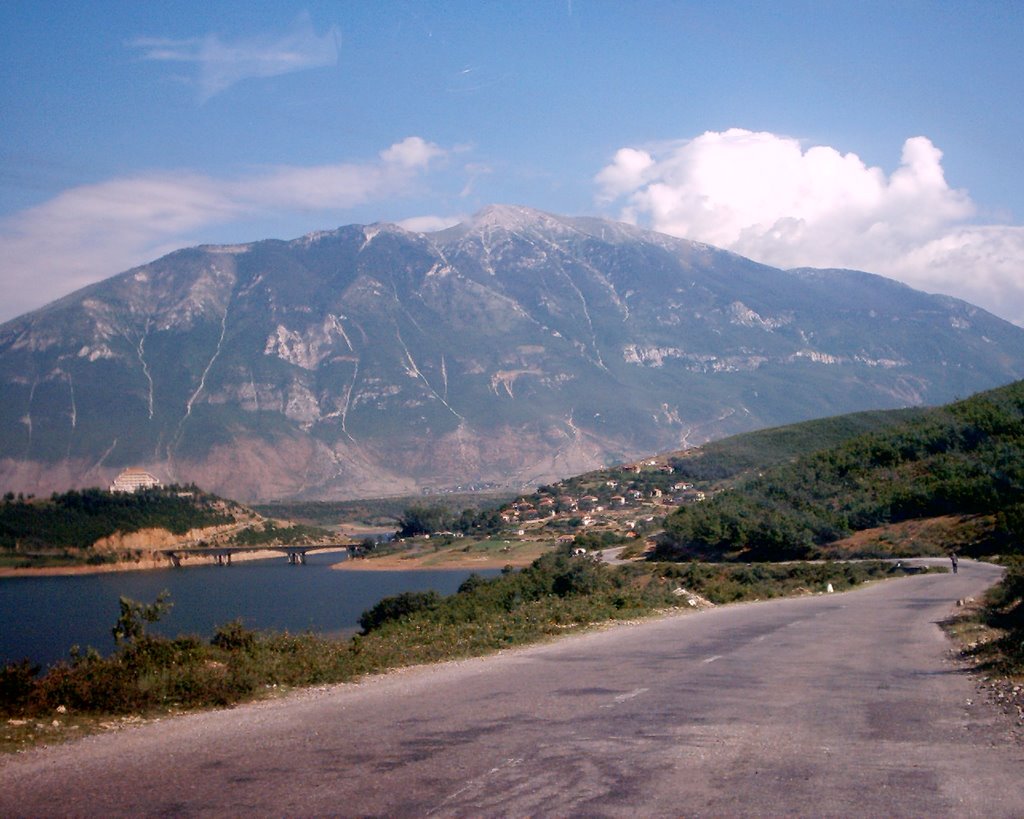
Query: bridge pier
{"type": "Point", "coordinates": [221, 555]}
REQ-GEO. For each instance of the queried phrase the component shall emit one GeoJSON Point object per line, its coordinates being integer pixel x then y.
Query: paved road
{"type": "Point", "coordinates": [844, 704]}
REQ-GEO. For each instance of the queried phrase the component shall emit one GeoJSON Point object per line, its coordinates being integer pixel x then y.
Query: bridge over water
{"type": "Point", "coordinates": [221, 555]}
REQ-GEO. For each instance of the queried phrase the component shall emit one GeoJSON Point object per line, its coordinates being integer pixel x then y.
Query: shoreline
{"type": "Point", "coordinates": [145, 564]}
{"type": "Point", "coordinates": [412, 564]}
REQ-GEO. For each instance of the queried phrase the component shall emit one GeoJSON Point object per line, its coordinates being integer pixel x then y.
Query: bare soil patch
{"type": "Point", "coordinates": [913, 538]}
{"type": "Point", "coordinates": [480, 555]}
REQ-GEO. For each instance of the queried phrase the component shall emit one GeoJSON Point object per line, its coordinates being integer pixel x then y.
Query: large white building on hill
{"type": "Point", "coordinates": [131, 480]}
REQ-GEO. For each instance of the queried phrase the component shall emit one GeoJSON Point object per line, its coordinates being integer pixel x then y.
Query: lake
{"type": "Point", "coordinates": [42, 617]}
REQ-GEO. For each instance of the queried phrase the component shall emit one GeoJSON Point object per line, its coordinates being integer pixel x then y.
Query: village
{"type": "Point", "coordinates": [618, 507]}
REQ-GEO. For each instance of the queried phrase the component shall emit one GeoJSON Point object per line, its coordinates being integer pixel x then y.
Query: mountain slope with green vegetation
{"type": "Point", "coordinates": [76, 520]}
{"type": "Point", "coordinates": [963, 459]}
{"type": "Point", "coordinates": [729, 457]}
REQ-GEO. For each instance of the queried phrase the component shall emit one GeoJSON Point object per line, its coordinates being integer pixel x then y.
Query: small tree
{"type": "Point", "coordinates": [130, 626]}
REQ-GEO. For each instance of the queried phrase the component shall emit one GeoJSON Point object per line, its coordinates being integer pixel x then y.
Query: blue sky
{"type": "Point", "coordinates": [881, 136]}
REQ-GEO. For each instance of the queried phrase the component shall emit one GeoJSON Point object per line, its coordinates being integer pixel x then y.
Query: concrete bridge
{"type": "Point", "coordinates": [221, 555]}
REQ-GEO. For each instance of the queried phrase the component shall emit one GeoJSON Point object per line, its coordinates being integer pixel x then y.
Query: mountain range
{"type": "Point", "coordinates": [514, 348]}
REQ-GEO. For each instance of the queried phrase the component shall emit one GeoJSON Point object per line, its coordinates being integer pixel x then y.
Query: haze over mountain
{"type": "Point", "coordinates": [512, 349]}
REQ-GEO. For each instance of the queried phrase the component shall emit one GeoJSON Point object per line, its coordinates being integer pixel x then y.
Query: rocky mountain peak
{"type": "Point", "coordinates": [510, 217]}
{"type": "Point", "coordinates": [515, 348]}
{"type": "Point", "coordinates": [499, 220]}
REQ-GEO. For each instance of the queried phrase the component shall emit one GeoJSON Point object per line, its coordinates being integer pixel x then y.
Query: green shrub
{"type": "Point", "coordinates": [234, 636]}
{"type": "Point", "coordinates": [17, 681]}
{"type": "Point", "coordinates": [397, 608]}
{"type": "Point", "coordinates": [1004, 606]}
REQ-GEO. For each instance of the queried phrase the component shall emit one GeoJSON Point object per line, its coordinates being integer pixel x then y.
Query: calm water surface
{"type": "Point", "coordinates": [42, 617]}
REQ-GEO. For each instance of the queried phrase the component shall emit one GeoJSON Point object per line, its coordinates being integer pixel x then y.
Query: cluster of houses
{"type": "Point", "coordinates": [611, 496]}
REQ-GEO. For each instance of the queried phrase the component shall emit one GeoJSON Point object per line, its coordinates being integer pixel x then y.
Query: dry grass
{"type": "Point", "coordinates": [460, 554]}
{"type": "Point", "coordinates": [913, 538]}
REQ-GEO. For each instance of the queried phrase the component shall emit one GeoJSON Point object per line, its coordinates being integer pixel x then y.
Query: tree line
{"type": "Point", "coordinates": [966, 458]}
{"type": "Point", "coordinates": [423, 519]}
{"type": "Point", "coordinates": [77, 519]}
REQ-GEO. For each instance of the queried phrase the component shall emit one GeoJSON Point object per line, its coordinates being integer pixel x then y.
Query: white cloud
{"type": "Point", "coordinates": [223, 63]}
{"type": "Point", "coordinates": [983, 264]}
{"type": "Point", "coordinates": [627, 172]}
{"type": "Point", "coordinates": [412, 152]}
{"type": "Point", "coordinates": [767, 197]}
{"type": "Point", "coordinates": [91, 232]}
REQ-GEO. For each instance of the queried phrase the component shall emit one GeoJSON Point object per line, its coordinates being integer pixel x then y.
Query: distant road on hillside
{"type": "Point", "coordinates": [843, 704]}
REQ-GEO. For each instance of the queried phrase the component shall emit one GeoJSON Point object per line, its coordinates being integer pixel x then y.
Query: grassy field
{"type": "Point", "coordinates": [444, 553]}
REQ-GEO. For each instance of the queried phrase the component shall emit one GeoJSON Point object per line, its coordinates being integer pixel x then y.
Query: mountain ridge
{"type": "Point", "coordinates": [514, 348]}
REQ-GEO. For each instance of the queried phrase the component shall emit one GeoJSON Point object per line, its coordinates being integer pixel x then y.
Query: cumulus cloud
{"type": "Point", "coordinates": [222, 63]}
{"type": "Point", "coordinates": [93, 231]}
{"type": "Point", "coordinates": [768, 197]}
{"type": "Point", "coordinates": [412, 152]}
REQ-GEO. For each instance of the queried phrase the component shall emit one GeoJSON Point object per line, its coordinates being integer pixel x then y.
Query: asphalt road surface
{"type": "Point", "coordinates": [831, 705]}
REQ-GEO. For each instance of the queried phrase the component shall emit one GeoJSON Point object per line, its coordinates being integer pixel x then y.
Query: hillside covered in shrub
{"type": "Point", "coordinates": [77, 519]}
{"type": "Point", "coordinates": [731, 457]}
{"type": "Point", "coordinates": [65, 529]}
{"type": "Point", "coordinates": [965, 458]}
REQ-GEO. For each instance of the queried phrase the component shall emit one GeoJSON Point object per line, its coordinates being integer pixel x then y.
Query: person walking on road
{"type": "Point", "coordinates": [953, 559]}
